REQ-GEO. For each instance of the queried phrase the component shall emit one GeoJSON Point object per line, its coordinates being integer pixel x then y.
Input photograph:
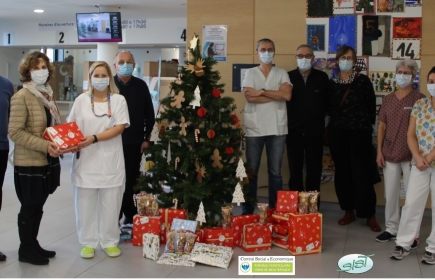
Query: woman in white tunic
{"type": "Point", "coordinates": [98, 173]}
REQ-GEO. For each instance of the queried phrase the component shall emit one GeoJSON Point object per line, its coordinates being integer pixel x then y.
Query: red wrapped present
{"type": "Point", "coordinates": [237, 223]}
{"type": "Point", "coordinates": [280, 229]}
{"type": "Point", "coordinates": [142, 225]}
{"type": "Point", "coordinates": [66, 136]}
{"type": "Point", "coordinates": [305, 235]}
{"type": "Point", "coordinates": [269, 212]}
{"type": "Point", "coordinates": [280, 217]}
{"type": "Point", "coordinates": [287, 201]}
{"type": "Point", "coordinates": [280, 242]}
{"type": "Point", "coordinates": [199, 235]}
{"type": "Point", "coordinates": [168, 215]}
{"type": "Point", "coordinates": [219, 236]}
{"type": "Point", "coordinates": [256, 237]}
{"type": "Point", "coordinates": [276, 235]}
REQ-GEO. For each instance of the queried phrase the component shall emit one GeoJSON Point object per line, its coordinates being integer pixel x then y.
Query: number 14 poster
{"type": "Point", "coordinates": [214, 38]}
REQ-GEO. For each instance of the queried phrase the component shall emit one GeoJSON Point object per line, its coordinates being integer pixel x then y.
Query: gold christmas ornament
{"type": "Point", "coordinates": [149, 164]}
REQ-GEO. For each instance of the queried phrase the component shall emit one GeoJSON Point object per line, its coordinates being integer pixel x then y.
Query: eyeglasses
{"type": "Point", "coordinates": [307, 56]}
{"type": "Point", "coordinates": [266, 50]}
{"type": "Point", "coordinates": [405, 73]}
{"type": "Point", "coordinates": [348, 58]}
{"type": "Point", "coordinates": [122, 62]}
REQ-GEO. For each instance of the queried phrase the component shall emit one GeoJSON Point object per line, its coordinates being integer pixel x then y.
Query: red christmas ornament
{"type": "Point", "coordinates": [216, 93]}
{"type": "Point", "coordinates": [201, 112]}
{"type": "Point", "coordinates": [211, 133]}
{"type": "Point", "coordinates": [235, 119]}
{"type": "Point", "coordinates": [229, 151]}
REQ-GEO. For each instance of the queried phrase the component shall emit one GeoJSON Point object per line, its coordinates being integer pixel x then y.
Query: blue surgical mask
{"type": "Point", "coordinates": [345, 65]}
{"type": "Point", "coordinates": [304, 63]}
{"type": "Point", "coordinates": [403, 80]}
{"type": "Point", "coordinates": [100, 84]}
{"type": "Point", "coordinates": [125, 69]}
{"type": "Point", "coordinates": [266, 57]}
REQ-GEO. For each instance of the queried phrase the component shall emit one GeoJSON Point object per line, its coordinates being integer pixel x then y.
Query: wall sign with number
{"type": "Point", "coordinates": [8, 39]}
{"type": "Point", "coordinates": [61, 37]}
{"type": "Point", "coordinates": [406, 49]}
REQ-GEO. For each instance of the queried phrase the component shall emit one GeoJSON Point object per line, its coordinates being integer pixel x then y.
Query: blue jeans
{"type": "Point", "coordinates": [274, 151]}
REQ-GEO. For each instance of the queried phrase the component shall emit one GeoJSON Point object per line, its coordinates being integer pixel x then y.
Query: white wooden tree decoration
{"type": "Point", "coordinates": [241, 171]}
{"type": "Point", "coordinates": [200, 216]}
{"type": "Point", "coordinates": [238, 195]}
{"type": "Point", "coordinates": [196, 101]}
{"type": "Point", "coordinates": [155, 133]}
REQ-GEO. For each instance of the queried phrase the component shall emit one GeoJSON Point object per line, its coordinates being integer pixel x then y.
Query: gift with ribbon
{"type": "Point", "coordinates": [142, 225]}
{"type": "Point", "coordinates": [209, 254]}
{"type": "Point", "coordinates": [305, 234]}
{"type": "Point", "coordinates": [168, 215]}
{"type": "Point", "coordinates": [219, 236]}
{"type": "Point", "coordinates": [237, 223]}
{"type": "Point", "coordinates": [256, 237]}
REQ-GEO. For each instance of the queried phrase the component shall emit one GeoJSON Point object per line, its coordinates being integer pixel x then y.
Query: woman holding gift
{"type": "Point", "coordinates": [36, 162]}
{"type": "Point", "coordinates": [98, 173]}
{"type": "Point", "coordinates": [352, 107]}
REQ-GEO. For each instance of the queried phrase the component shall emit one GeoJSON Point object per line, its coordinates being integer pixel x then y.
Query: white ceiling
{"type": "Point", "coordinates": [54, 10]}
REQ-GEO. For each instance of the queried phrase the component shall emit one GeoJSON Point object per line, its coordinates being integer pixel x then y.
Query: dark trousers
{"type": "Point", "coordinates": [352, 152]}
{"type": "Point", "coordinates": [310, 148]}
{"type": "Point", "coordinates": [132, 158]}
{"type": "Point", "coordinates": [3, 166]}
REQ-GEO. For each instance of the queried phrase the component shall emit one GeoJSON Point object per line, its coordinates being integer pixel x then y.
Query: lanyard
{"type": "Point", "coordinates": [109, 109]}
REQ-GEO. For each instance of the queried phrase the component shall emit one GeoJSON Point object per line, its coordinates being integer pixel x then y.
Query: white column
{"type": "Point", "coordinates": [107, 51]}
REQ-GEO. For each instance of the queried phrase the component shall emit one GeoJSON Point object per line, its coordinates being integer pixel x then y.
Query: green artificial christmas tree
{"type": "Point", "coordinates": [200, 142]}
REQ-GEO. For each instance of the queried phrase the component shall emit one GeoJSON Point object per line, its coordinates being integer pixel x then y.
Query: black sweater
{"type": "Point", "coordinates": [307, 108]}
{"type": "Point", "coordinates": [140, 110]}
{"type": "Point", "coordinates": [359, 109]}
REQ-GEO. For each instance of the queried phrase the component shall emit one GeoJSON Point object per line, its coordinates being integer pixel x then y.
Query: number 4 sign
{"type": "Point", "coordinates": [8, 38]}
{"type": "Point", "coordinates": [406, 49]}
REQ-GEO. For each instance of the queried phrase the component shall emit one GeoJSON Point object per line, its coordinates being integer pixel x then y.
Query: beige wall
{"type": "Point", "coordinates": [284, 22]}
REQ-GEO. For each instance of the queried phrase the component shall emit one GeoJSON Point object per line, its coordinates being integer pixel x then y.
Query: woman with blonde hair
{"type": "Point", "coordinates": [98, 173]}
{"type": "Point", "coordinates": [36, 162]}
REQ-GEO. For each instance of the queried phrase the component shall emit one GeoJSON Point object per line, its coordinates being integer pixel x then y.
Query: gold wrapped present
{"type": "Point", "coordinates": [176, 259]}
{"type": "Point", "coordinates": [213, 255]}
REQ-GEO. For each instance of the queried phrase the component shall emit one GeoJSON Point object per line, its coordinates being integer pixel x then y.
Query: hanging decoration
{"type": "Point", "coordinates": [200, 216]}
{"type": "Point", "coordinates": [211, 134]}
{"type": "Point", "coordinates": [216, 159]}
{"type": "Point", "coordinates": [196, 101]}
{"type": "Point", "coordinates": [142, 164]}
{"type": "Point", "coordinates": [149, 164]}
{"type": "Point", "coordinates": [241, 171]}
{"type": "Point", "coordinates": [235, 120]}
{"type": "Point", "coordinates": [201, 112]}
{"type": "Point", "coordinates": [178, 81]}
{"type": "Point", "coordinates": [183, 126]}
{"type": "Point", "coordinates": [216, 93]}
{"type": "Point", "coordinates": [201, 171]}
{"type": "Point", "coordinates": [163, 126]}
{"type": "Point", "coordinates": [196, 134]}
{"type": "Point", "coordinates": [238, 195]}
{"type": "Point", "coordinates": [229, 150]}
{"type": "Point", "coordinates": [177, 160]}
{"type": "Point", "coordinates": [197, 68]}
{"type": "Point", "coordinates": [169, 153]}
{"type": "Point", "coordinates": [178, 99]}
{"type": "Point", "coordinates": [155, 133]}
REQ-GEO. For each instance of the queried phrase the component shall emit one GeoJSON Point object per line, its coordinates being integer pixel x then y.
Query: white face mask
{"type": "Point", "coordinates": [403, 80]}
{"type": "Point", "coordinates": [304, 63]}
{"type": "Point", "coordinates": [266, 57]}
{"type": "Point", "coordinates": [345, 65]}
{"type": "Point", "coordinates": [39, 76]}
{"type": "Point", "coordinates": [431, 89]}
{"type": "Point", "coordinates": [100, 84]}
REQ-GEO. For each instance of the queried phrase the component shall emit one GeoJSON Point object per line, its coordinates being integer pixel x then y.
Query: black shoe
{"type": "Point", "coordinates": [37, 217]}
{"type": "Point", "coordinates": [385, 236]}
{"type": "Point", "coordinates": [27, 252]}
{"type": "Point", "coordinates": [414, 244]}
{"type": "Point", "coordinates": [2, 257]}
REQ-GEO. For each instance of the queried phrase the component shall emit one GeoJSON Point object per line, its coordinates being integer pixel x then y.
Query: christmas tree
{"type": "Point", "coordinates": [202, 169]}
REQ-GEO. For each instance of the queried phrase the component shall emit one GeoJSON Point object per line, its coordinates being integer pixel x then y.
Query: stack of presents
{"type": "Point", "coordinates": [294, 225]}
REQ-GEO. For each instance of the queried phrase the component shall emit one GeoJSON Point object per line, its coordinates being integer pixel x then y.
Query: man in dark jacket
{"type": "Point", "coordinates": [306, 122]}
{"type": "Point", "coordinates": [136, 138]}
{"type": "Point", "coordinates": [6, 92]}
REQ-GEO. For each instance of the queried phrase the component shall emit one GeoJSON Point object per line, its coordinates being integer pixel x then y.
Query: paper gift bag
{"type": "Point", "coordinates": [151, 246]}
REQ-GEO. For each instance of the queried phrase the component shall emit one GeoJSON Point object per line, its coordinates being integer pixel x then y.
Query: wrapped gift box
{"type": "Point", "coordinates": [287, 201]}
{"type": "Point", "coordinates": [237, 223]}
{"type": "Point", "coordinates": [305, 234]}
{"type": "Point", "coordinates": [151, 246]}
{"type": "Point", "coordinates": [178, 224]}
{"type": "Point", "coordinates": [219, 236]}
{"type": "Point", "coordinates": [66, 136]}
{"type": "Point", "coordinates": [280, 217]}
{"type": "Point", "coordinates": [280, 242]}
{"type": "Point", "coordinates": [256, 237]}
{"type": "Point", "coordinates": [283, 237]}
{"type": "Point", "coordinates": [209, 254]}
{"type": "Point", "coordinates": [199, 235]}
{"type": "Point", "coordinates": [176, 259]}
{"type": "Point", "coordinates": [142, 225]}
{"type": "Point", "coordinates": [168, 215]}
{"type": "Point", "coordinates": [280, 229]}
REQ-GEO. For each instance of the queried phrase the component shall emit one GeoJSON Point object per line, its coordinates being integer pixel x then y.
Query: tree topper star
{"type": "Point", "coordinates": [194, 42]}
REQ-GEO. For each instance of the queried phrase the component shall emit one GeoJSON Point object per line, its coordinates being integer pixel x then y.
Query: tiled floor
{"type": "Point", "coordinates": [58, 233]}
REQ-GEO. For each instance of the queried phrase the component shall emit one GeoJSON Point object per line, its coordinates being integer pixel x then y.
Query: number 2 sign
{"type": "Point", "coordinates": [406, 49]}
